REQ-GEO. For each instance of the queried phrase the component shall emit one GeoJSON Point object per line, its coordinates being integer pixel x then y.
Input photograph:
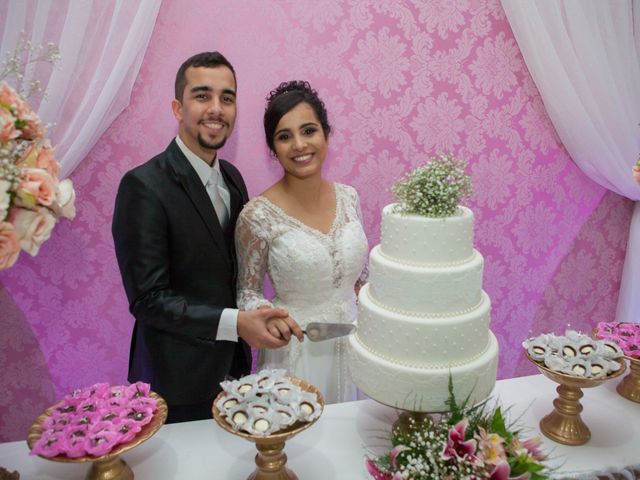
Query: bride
{"type": "Point", "coordinates": [306, 233]}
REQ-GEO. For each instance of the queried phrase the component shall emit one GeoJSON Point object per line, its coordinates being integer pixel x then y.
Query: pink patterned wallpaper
{"type": "Point", "coordinates": [402, 81]}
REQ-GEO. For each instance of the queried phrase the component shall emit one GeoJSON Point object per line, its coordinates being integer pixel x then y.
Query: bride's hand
{"type": "Point", "coordinates": [284, 327]}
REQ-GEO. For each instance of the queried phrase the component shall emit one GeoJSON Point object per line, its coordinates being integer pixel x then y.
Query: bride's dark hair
{"type": "Point", "coordinates": [287, 96]}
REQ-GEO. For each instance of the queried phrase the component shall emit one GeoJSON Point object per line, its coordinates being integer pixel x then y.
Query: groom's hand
{"type": "Point", "coordinates": [253, 327]}
{"type": "Point", "coordinates": [284, 327]}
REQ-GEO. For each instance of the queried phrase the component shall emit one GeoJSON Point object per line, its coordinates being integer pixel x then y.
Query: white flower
{"type": "Point", "coordinates": [5, 198]}
{"type": "Point", "coordinates": [33, 227]}
{"type": "Point", "coordinates": [64, 205]}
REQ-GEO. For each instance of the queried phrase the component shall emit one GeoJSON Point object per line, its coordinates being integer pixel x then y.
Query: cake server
{"type": "Point", "coordinates": [317, 332]}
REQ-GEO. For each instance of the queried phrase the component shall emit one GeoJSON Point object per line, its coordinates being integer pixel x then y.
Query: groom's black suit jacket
{"type": "Point", "coordinates": [179, 271]}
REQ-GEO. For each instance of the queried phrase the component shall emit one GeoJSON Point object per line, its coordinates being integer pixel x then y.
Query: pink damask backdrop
{"type": "Point", "coordinates": [402, 81]}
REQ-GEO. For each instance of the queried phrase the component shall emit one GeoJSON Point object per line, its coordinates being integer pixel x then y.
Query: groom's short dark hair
{"type": "Point", "coordinates": [203, 59]}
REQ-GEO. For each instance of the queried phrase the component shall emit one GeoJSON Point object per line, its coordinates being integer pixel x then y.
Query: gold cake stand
{"type": "Point", "coordinates": [565, 425]}
{"type": "Point", "coordinates": [109, 466]}
{"type": "Point", "coordinates": [271, 460]}
{"type": "Point", "coordinates": [629, 387]}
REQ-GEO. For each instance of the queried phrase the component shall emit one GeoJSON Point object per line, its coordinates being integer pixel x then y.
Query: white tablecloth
{"type": "Point", "coordinates": [334, 447]}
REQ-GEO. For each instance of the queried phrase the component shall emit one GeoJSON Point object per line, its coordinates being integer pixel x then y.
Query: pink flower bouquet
{"type": "Point", "coordinates": [32, 198]}
{"type": "Point", "coordinates": [465, 443]}
{"type": "Point", "coordinates": [94, 420]}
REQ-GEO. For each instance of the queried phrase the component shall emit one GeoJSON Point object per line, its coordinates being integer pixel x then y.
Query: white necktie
{"type": "Point", "coordinates": [219, 195]}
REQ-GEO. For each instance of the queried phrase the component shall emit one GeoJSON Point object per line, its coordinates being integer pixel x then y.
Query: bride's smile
{"type": "Point", "coordinates": [300, 143]}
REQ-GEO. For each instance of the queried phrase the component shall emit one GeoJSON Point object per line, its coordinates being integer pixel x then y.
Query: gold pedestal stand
{"type": "Point", "coordinates": [565, 425]}
{"type": "Point", "coordinates": [629, 387]}
{"type": "Point", "coordinates": [271, 460]}
{"type": "Point", "coordinates": [110, 466]}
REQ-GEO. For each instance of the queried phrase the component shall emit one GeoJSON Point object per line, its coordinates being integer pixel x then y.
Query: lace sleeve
{"type": "Point", "coordinates": [252, 248]}
{"type": "Point", "coordinates": [364, 275]}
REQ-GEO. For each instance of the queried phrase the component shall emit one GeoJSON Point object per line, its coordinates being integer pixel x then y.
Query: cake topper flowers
{"type": "Point", "coordinates": [470, 443]}
{"type": "Point", "coordinates": [32, 198]}
{"type": "Point", "coordinates": [435, 189]}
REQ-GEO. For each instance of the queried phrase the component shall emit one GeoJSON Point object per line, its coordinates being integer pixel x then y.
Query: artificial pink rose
{"type": "Point", "coordinates": [47, 161]}
{"type": "Point", "coordinates": [64, 205]}
{"type": "Point", "coordinates": [9, 98]}
{"type": "Point", "coordinates": [28, 120]}
{"type": "Point", "coordinates": [33, 227]}
{"type": "Point", "coordinates": [37, 187]}
{"type": "Point", "coordinates": [9, 245]}
{"type": "Point", "coordinates": [8, 130]}
{"type": "Point", "coordinates": [29, 156]}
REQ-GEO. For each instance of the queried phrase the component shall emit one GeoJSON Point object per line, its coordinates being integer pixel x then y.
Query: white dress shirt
{"type": "Point", "coordinates": [228, 325]}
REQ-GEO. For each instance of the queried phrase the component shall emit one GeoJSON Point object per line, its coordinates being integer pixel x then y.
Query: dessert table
{"type": "Point", "coordinates": [334, 447]}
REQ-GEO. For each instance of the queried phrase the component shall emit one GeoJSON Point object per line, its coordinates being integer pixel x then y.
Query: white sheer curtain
{"type": "Point", "coordinates": [102, 44]}
{"type": "Point", "coordinates": [584, 58]}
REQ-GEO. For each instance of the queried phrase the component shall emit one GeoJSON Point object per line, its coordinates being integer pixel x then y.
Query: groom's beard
{"type": "Point", "coordinates": [211, 146]}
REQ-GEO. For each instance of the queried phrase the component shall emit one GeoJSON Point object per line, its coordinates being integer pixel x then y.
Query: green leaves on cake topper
{"type": "Point", "coordinates": [435, 189]}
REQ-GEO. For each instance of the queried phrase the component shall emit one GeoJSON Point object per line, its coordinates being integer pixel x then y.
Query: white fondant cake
{"type": "Point", "coordinates": [423, 315]}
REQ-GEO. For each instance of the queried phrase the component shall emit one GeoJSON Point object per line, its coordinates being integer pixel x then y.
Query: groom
{"type": "Point", "coordinates": [173, 227]}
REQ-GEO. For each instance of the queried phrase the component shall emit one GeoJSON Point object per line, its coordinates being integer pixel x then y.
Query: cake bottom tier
{"type": "Point", "coordinates": [422, 389]}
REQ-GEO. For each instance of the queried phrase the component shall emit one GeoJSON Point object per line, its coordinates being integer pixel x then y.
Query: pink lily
{"type": "Point", "coordinates": [395, 451]}
{"type": "Point", "coordinates": [456, 446]}
{"type": "Point", "coordinates": [375, 472]}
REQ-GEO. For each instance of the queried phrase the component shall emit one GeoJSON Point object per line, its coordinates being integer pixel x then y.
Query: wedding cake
{"type": "Point", "coordinates": [423, 316]}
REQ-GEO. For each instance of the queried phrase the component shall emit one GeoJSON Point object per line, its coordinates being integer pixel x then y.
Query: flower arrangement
{"type": "Point", "coordinates": [625, 335]}
{"type": "Point", "coordinates": [32, 198]}
{"type": "Point", "coordinates": [435, 189]}
{"type": "Point", "coordinates": [94, 420]}
{"type": "Point", "coordinates": [636, 171]}
{"type": "Point", "coordinates": [466, 443]}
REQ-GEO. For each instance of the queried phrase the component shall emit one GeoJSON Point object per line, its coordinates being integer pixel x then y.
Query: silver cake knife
{"type": "Point", "coordinates": [317, 332]}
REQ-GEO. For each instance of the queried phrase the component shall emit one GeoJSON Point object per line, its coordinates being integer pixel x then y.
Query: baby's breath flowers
{"type": "Point", "coordinates": [435, 189]}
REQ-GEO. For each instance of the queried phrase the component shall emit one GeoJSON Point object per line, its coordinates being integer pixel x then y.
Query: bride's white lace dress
{"type": "Point", "coordinates": [313, 275]}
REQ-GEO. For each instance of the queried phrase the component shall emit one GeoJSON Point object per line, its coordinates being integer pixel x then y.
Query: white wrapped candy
{"type": "Point", "coordinates": [575, 354]}
{"type": "Point", "coordinates": [266, 402]}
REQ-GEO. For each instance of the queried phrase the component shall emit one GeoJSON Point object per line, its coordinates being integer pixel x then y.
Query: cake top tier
{"type": "Point", "coordinates": [418, 240]}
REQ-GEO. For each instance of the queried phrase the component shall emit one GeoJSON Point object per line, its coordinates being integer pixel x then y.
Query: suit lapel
{"type": "Point", "coordinates": [195, 190]}
{"type": "Point", "coordinates": [234, 193]}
